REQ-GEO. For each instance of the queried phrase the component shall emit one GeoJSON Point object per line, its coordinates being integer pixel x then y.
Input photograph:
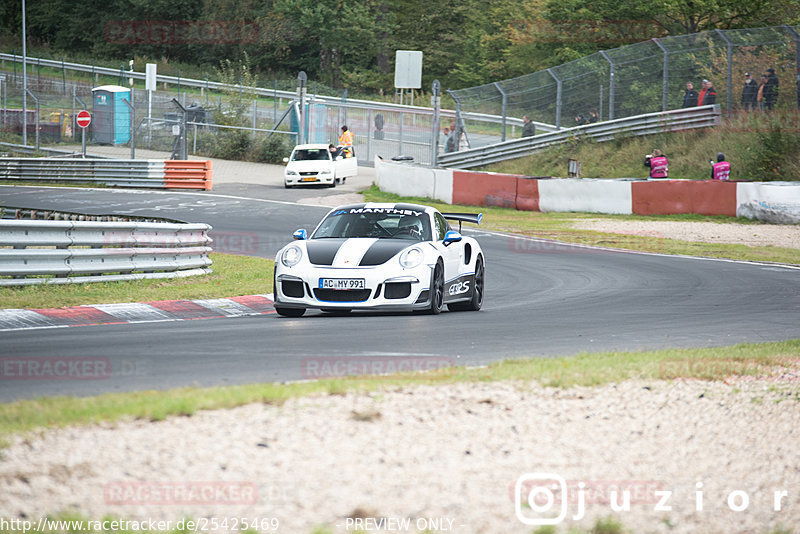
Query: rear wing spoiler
{"type": "Point", "coordinates": [474, 218]}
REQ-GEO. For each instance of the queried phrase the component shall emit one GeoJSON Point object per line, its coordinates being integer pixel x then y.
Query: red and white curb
{"type": "Point", "coordinates": [136, 312]}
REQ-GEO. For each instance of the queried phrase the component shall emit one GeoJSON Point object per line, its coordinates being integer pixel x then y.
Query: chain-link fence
{"type": "Point", "coordinates": [645, 77]}
{"type": "Point", "coordinates": [233, 122]}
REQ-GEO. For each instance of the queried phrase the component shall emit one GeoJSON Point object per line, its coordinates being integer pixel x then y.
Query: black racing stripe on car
{"type": "Point", "coordinates": [383, 250]}
{"type": "Point", "coordinates": [322, 251]}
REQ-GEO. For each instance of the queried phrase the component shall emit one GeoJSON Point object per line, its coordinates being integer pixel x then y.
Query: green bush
{"type": "Point", "coordinates": [270, 150]}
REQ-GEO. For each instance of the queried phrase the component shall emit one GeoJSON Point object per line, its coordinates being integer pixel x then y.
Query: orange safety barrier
{"type": "Point", "coordinates": [186, 174]}
{"type": "Point", "coordinates": [527, 194]}
{"type": "Point", "coordinates": [671, 197]}
{"type": "Point", "coordinates": [484, 189]}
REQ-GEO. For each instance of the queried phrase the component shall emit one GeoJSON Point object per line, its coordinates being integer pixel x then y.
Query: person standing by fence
{"type": "Point", "coordinates": [690, 96]}
{"type": "Point", "coordinates": [346, 142]}
{"type": "Point", "coordinates": [749, 93]}
{"type": "Point", "coordinates": [528, 129]}
{"type": "Point", "coordinates": [771, 90]}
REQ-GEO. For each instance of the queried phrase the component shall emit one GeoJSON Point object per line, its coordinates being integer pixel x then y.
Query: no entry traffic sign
{"type": "Point", "coordinates": [83, 119]}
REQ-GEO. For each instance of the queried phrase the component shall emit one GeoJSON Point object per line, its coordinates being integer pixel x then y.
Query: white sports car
{"type": "Point", "coordinates": [399, 257]}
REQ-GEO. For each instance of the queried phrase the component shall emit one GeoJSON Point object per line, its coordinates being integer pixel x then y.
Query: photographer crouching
{"type": "Point", "coordinates": [657, 163]}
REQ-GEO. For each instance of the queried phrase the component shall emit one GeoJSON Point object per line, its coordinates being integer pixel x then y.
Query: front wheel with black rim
{"type": "Point", "coordinates": [290, 312]}
{"type": "Point", "coordinates": [437, 290]}
{"type": "Point", "coordinates": [475, 303]}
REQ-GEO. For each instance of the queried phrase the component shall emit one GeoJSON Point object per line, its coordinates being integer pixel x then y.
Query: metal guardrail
{"type": "Point", "coordinates": [63, 252]}
{"type": "Point", "coordinates": [651, 123]}
{"type": "Point", "coordinates": [38, 214]}
{"type": "Point", "coordinates": [115, 172]}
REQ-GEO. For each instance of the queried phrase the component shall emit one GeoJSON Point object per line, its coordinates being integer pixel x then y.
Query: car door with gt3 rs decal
{"type": "Point", "coordinates": [457, 286]}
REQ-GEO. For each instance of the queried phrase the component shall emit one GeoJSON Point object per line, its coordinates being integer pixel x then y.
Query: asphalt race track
{"type": "Point", "coordinates": [542, 299]}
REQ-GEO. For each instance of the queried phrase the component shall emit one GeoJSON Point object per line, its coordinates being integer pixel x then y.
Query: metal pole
{"type": "Point", "coordinates": [610, 85]}
{"type": "Point", "coordinates": [75, 124]}
{"type": "Point", "coordinates": [183, 145]}
{"type": "Point", "coordinates": [131, 127]}
{"type": "Point", "coordinates": [796, 37]}
{"type": "Point", "coordinates": [436, 104]}
{"type": "Point", "coordinates": [302, 79]}
{"type": "Point", "coordinates": [665, 78]}
{"type": "Point", "coordinates": [400, 133]}
{"type": "Point", "coordinates": [559, 87]}
{"type": "Point", "coordinates": [369, 137]}
{"type": "Point", "coordinates": [36, 100]}
{"type": "Point", "coordinates": [255, 115]}
{"type": "Point", "coordinates": [505, 102]}
{"type": "Point", "coordinates": [729, 98]}
{"type": "Point", "coordinates": [24, 80]}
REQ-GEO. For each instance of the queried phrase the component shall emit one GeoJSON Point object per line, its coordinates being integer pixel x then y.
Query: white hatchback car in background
{"type": "Point", "coordinates": [314, 164]}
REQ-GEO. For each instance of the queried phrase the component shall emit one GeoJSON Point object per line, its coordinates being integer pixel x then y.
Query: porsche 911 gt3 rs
{"type": "Point", "coordinates": [376, 256]}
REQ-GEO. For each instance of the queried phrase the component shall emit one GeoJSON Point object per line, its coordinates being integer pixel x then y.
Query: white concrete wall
{"type": "Point", "coordinates": [774, 202]}
{"type": "Point", "coordinates": [414, 181]}
{"type": "Point", "coordinates": [585, 194]}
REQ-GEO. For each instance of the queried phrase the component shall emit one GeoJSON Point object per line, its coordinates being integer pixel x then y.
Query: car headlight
{"type": "Point", "coordinates": [291, 256]}
{"type": "Point", "coordinates": [411, 258]}
{"type": "Point", "coordinates": [291, 173]}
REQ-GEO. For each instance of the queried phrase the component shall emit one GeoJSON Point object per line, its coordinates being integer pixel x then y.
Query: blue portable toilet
{"type": "Point", "coordinates": [111, 118]}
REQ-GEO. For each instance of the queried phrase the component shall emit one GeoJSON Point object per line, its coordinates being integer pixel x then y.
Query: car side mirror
{"type": "Point", "coordinates": [286, 160]}
{"type": "Point", "coordinates": [451, 237]}
{"type": "Point", "coordinates": [300, 235]}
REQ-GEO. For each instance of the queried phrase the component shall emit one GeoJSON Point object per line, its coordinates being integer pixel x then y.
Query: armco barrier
{"type": "Point", "coordinates": [650, 123]}
{"type": "Point", "coordinates": [775, 202]}
{"type": "Point", "coordinates": [115, 172]}
{"type": "Point", "coordinates": [82, 251]}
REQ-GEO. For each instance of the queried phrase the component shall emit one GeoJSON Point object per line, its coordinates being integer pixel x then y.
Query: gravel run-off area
{"type": "Point", "coordinates": [776, 235]}
{"type": "Point", "coordinates": [445, 453]}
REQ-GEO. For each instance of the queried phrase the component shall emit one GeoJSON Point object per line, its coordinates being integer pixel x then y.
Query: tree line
{"type": "Point", "coordinates": [351, 43]}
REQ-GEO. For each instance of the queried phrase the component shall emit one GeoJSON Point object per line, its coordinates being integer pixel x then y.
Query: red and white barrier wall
{"type": "Point", "coordinates": [776, 202]}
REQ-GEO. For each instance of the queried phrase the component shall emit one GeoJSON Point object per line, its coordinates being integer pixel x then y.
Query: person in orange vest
{"type": "Point", "coordinates": [346, 142]}
{"type": "Point", "coordinates": [720, 170]}
{"type": "Point", "coordinates": [657, 163]}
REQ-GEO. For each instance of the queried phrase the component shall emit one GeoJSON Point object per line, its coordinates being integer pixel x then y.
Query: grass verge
{"type": "Point", "coordinates": [585, 369]}
{"type": "Point", "coordinates": [558, 226]}
{"type": "Point", "coordinates": [233, 275]}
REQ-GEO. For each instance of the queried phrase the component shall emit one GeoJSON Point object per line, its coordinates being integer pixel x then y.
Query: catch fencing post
{"type": "Point", "coordinates": [436, 102]}
{"type": "Point", "coordinates": [558, 96]}
{"type": "Point", "coordinates": [610, 85]}
{"type": "Point", "coordinates": [665, 80]}
{"type": "Point", "coordinates": [503, 115]}
{"type": "Point", "coordinates": [796, 37]}
{"type": "Point", "coordinates": [729, 80]}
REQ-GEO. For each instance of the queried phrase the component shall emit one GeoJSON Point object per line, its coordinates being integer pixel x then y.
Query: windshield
{"type": "Point", "coordinates": [388, 223]}
{"type": "Point", "coordinates": [311, 154]}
